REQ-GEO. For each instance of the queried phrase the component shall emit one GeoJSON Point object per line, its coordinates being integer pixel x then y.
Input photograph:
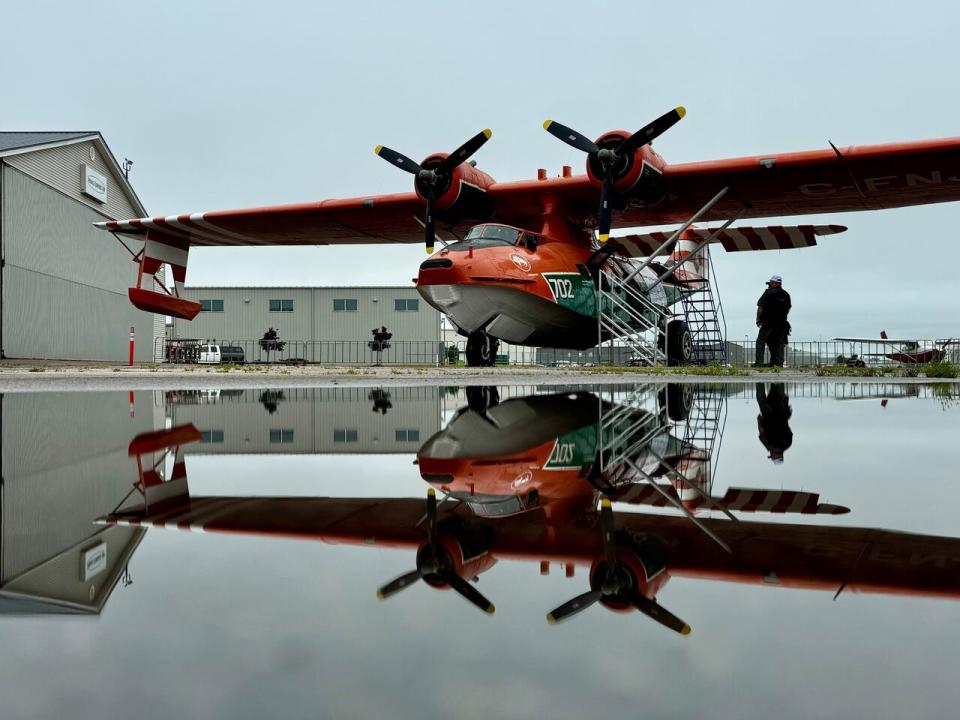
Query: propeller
{"type": "Point", "coordinates": [612, 159]}
{"type": "Point", "coordinates": [434, 181]}
{"type": "Point", "coordinates": [435, 566]}
{"type": "Point", "coordinates": [616, 583]}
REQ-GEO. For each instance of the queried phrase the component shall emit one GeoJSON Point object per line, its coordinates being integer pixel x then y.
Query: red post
{"type": "Point", "coordinates": [130, 360]}
{"type": "Point", "coordinates": [131, 403]}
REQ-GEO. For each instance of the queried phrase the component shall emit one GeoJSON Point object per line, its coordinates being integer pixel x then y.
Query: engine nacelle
{"type": "Point", "coordinates": [648, 580]}
{"type": "Point", "coordinates": [463, 196]}
{"type": "Point", "coordinates": [637, 176]}
{"type": "Point", "coordinates": [467, 561]}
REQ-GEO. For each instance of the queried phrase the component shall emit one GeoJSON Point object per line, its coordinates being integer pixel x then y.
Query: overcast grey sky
{"type": "Point", "coordinates": [225, 105]}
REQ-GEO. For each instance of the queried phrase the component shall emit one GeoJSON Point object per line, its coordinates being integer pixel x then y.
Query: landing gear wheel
{"type": "Point", "coordinates": [679, 401]}
{"type": "Point", "coordinates": [481, 349]}
{"type": "Point", "coordinates": [481, 398]}
{"type": "Point", "coordinates": [679, 343]}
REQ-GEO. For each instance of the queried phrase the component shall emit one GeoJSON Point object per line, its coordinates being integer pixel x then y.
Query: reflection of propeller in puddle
{"type": "Point", "coordinates": [614, 583]}
{"type": "Point", "coordinates": [436, 566]}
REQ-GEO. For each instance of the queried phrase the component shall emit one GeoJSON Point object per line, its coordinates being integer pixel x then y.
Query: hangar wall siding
{"type": "Point", "coordinates": [246, 315]}
{"type": "Point", "coordinates": [64, 283]}
{"type": "Point", "coordinates": [64, 464]}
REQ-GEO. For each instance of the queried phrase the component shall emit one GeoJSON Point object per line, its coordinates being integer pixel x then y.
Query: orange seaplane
{"type": "Point", "coordinates": [533, 262]}
{"type": "Point", "coordinates": [629, 556]}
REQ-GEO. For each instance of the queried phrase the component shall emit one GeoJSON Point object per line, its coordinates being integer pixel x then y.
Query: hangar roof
{"type": "Point", "coordinates": [21, 140]}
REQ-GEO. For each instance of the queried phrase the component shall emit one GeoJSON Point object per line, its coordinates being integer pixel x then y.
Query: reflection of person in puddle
{"type": "Point", "coordinates": [773, 422]}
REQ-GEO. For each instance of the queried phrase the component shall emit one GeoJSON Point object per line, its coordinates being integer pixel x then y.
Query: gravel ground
{"type": "Point", "coordinates": [32, 376]}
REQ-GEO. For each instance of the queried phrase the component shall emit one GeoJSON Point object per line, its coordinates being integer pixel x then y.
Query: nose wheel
{"type": "Point", "coordinates": [481, 349]}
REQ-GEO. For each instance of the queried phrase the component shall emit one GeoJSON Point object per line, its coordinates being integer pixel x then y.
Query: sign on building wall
{"type": "Point", "coordinates": [93, 184]}
{"type": "Point", "coordinates": [93, 561]}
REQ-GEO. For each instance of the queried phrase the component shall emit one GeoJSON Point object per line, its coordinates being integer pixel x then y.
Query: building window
{"type": "Point", "coordinates": [211, 306]}
{"type": "Point", "coordinates": [281, 436]}
{"type": "Point", "coordinates": [407, 435]}
{"type": "Point", "coordinates": [406, 305]}
{"type": "Point", "coordinates": [281, 306]}
{"type": "Point", "coordinates": [344, 305]}
{"type": "Point", "coordinates": [345, 435]}
{"type": "Point", "coordinates": [211, 436]}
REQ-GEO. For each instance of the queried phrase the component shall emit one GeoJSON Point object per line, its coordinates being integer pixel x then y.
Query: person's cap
{"type": "Point", "coordinates": [775, 278]}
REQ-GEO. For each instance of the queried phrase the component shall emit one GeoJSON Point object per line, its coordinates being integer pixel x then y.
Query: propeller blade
{"type": "Point", "coordinates": [430, 232]}
{"type": "Point", "coordinates": [464, 151]}
{"type": "Point", "coordinates": [606, 211]}
{"type": "Point", "coordinates": [570, 137]}
{"type": "Point", "coordinates": [655, 611]}
{"type": "Point", "coordinates": [395, 586]}
{"type": "Point", "coordinates": [398, 159]}
{"type": "Point", "coordinates": [572, 607]}
{"type": "Point", "coordinates": [468, 591]}
{"type": "Point", "coordinates": [651, 131]}
{"type": "Point", "coordinates": [606, 524]}
{"type": "Point", "coordinates": [432, 517]}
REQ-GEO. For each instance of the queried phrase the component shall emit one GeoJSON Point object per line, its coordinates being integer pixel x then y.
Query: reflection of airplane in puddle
{"type": "Point", "coordinates": [547, 450]}
{"type": "Point", "coordinates": [906, 352]}
{"type": "Point", "coordinates": [630, 555]}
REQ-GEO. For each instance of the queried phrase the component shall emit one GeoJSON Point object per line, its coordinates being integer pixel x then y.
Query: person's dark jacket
{"type": "Point", "coordinates": [774, 307]}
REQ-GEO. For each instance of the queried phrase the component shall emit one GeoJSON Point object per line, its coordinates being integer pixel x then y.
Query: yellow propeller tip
{"type": "Point", "coordinates": [606, 502]}
{"type": "Point", "coordinates": [551, 619]}
{"type": "Point", "coordinates": [431, 492]}
{"type": "Point", "coordinates": [604, 238]}
{"type": "Point", "coordinates": [685, 630]}
{"type": "Point", "coordinates": [377, 149]}
{"type": "Point", "coordinates": [681, 111]}
{"type": "Point", "coordinates": [488, 132]}
{"type": "Point", "coordinates": [491, 610]}
{"type": "Point", "coordinates": [429, 249]}
{"type": "Point", "coordinates": [379, 595]}
{"type": "Point", "coordinates": [547, 124]}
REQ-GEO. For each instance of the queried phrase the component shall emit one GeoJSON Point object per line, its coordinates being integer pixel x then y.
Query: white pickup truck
{"type": "Point", "coordinates": [209, 354]}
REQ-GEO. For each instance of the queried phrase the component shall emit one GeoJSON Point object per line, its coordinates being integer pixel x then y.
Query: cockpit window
{"type": "Point", "coordinates": [481, 236]}
{"type": "Point", "coordinates": [493, 232]}
{"type": "Point", "coordinates": [490, 505]}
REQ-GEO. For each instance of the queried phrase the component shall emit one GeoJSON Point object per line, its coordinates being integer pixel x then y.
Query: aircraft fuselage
{"type": "Point", "coordinates": [524, 288]}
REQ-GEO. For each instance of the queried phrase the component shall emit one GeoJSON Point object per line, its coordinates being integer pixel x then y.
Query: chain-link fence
{"type": "Point", "coordinates": [805, 353]}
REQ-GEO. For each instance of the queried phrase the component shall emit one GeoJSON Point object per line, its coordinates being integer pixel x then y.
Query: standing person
{"type": "Point", "coordinates": [772, 310]}
{"type": "Point", "coordinates": [773, 422]}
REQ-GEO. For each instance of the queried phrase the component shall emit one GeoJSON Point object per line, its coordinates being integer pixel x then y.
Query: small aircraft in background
{"type": "Point", "coordinates": [907, 352]}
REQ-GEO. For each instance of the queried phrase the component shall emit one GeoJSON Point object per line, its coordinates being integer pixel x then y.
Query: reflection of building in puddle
{"type": "Point", "coordinates": [308, 420]}
{"type": "Point", "coordinates": [65, 463]}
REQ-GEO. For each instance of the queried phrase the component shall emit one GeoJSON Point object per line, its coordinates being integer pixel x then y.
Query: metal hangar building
{"type": "Point", "coordinates": [63, 283]}
{"type": "Point", "coordinates": [319, 324]}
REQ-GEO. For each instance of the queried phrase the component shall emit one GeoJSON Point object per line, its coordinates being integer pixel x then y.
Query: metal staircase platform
{"type": "Point", "coordinates": [703, 313]}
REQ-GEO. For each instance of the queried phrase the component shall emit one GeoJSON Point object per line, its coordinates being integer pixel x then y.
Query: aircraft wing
{"type": "Point", "coordinates": [800, 556]}
{"type": "Point", "coordinates": [734, 239]}
{"type": "Point", "coordinates": [870, 177]}
{"type": "Point", "coordinates": [876, 341]}
{"type": "Point", "coordinates": [817, 181]}
{"type": "Point", "coordinates": [375, 219]}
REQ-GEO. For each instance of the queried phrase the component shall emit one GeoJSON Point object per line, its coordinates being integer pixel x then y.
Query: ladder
{"type": "Point", "coordinates": [705, 425]}
{"type": "Point", "coordinates": [628, 321]}
{"type": "Point", "coordinates": [703, 313]}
